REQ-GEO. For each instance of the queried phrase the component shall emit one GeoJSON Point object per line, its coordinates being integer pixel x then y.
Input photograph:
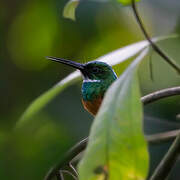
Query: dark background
{"type": "Point", "coordinates": [33, 29]}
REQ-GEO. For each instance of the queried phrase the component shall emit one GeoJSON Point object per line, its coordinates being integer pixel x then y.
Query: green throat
{"type": "Point", "coordinates": [99, 80]}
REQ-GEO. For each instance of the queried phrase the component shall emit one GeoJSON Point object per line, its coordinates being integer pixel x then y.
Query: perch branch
{"type": "Point", "coordinates": [156, 48]}
{"type": "Point", "coordinates": [160, 94]}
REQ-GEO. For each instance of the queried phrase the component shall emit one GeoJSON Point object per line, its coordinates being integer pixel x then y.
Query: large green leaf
{"type": "Point", "coordinates": [117, 148]}
{"type": "Point", "coordinates": [46, 97]}
{"type": "Point", "coordinates": [112, 58]}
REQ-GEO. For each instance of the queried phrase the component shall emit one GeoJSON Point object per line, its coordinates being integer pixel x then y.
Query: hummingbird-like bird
{"type": "Point", "coordinates": [97, 77]}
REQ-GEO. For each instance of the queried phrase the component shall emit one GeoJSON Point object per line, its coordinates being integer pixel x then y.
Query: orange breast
{"type": "Point", "coordinates": [92, 106]}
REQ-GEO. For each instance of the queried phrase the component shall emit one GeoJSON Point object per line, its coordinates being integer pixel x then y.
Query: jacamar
{"type": "Point", "coordinates": [97, 77]}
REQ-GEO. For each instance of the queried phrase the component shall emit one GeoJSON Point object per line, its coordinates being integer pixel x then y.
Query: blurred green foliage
{"type": "Point", "coordinates": [29, 44]}
{"type": "Point", "coordinates": [31, 30]}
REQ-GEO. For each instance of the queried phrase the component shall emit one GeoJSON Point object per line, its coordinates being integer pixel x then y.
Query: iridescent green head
{"type": "Point", "coordinates": [96, 70]}
{"type": "Point", "coordinates": [97, 77]}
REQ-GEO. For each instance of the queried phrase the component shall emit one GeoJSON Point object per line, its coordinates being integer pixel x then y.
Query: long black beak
{"type": "Point", "coordinates": [67, 62]}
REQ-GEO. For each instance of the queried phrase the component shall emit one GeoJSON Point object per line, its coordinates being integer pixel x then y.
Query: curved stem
{"type": "Point", "coordinates": [169, 60]}
{"type": "Point", "coordinates": [160, 94]}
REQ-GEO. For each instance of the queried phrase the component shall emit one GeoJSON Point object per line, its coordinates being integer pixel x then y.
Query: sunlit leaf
{"type": "Point", "coordinates": [117, 148]}
{"type": "Point", "coordinates": [112, 58]}
{"type": "Point", "coordinates": [70, 8]}
{"type": "Point", "coordinates": [127, 2]}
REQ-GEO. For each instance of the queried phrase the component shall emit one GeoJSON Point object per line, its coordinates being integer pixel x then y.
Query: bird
{"type": "Point", "coordinates": [97, 77]}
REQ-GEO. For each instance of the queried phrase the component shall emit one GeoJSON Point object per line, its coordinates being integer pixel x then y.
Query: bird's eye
{"type": "Point", "coordinates": [96, 70]}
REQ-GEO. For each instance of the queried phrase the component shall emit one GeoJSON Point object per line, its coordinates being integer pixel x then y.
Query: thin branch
{"type": "Point", "coordinates": [167, 163]}
{"type": "Point", "coordinates": [73, 169]}
{"type": "Point", "coordinates": [156, 138]}
{"type": "Point", "coordinates": [169, 60]}
{"type": "Point", "coordinates": [162, 137]}
{"type": "Point", "coordinates": [60, 177]}
{"type": "Point", "coordinates": [160, 94]}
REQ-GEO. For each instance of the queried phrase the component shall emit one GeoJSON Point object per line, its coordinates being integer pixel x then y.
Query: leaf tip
{"type": "Point", "coordinates": [70, 9]}
{"type": "Point", "coordinates": [127, 2]}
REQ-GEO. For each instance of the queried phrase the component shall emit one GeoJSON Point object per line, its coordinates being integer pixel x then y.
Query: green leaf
{"type": "Point", "coordinates": [70, 8]}
{"type": "Point", "coordinates": [112, 58]}
{"type": "Point", "coordinates": [126, 2]}
{"type": "Point", "coordinates": [45, 98]}
{"type": "Point", "coordinates": [117, 148]}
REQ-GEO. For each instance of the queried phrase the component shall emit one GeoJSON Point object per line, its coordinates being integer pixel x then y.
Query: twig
{"type": "Point", "coordinates": [167, 163]}
{"type": "Point", "coordinates": [73, 169]}
{"type": "Point", "coordinates": [169, 60]}
{"type": "Point", "coordinates": [162, 137]}
{"type": "Point", "coordinates": [60, 177]}
{"type": "Point", "coordinates": [156, 138]}
{"type": "Point", "coordinates": [71, 174]}
{"type": "Point", "coordinates": [160, 94]}
{"type": "Point", "coordinates": [68, 157]}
